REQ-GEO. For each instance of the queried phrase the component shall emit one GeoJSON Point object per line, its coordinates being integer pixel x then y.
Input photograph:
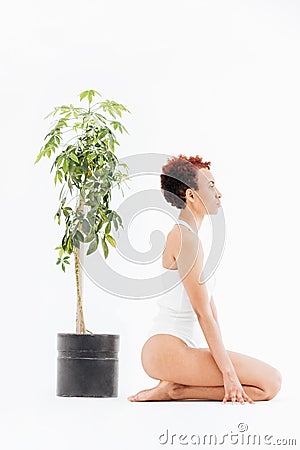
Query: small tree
{"type": "Point", "coordinates": [86, 164]}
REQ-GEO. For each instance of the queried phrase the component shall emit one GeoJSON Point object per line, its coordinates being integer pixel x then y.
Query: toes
{"type": "Point", "coordinates": [141, 396]}
{"type": "Point", "coordinates": [137, 397]}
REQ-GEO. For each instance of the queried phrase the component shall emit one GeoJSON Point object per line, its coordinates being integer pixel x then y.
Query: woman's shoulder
{"type": "Point", "coordinates": [180, 230]}
{"type": "Point", "coordinates": [180, 238]}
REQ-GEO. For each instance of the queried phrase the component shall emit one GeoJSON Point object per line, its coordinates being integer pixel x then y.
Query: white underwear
{"type": "Point", "coordinates": [181, 325]}
{"type": "Point", "coordinates": [189, 342]}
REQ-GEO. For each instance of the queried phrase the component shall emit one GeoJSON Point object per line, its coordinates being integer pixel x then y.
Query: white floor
{"type": "Point", "coordinates": [51, 422]}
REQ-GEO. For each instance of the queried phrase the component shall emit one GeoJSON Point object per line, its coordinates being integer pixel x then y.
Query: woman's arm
{"type": "Point", "coordinates": [190, 264]}
{"type": "Point", "coordinates": [214, 310]}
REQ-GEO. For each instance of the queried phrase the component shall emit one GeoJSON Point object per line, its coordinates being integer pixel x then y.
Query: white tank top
{"type": "Point", "coordinates": [183, 301]}
{"type": "Point", "coordinates": [177, 298]}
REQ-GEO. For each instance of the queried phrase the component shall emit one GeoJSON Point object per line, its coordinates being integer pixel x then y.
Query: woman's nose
{"type": "Point", "coordinates": [219, 195]}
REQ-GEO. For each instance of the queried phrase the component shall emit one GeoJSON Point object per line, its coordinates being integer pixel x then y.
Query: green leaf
{"type": "Point", "coordinates": [61, 251]}
{"type": "Point", "coordinates": [91, 220]}
{"type": "Point", "coordinates": [69, 245]}
{"type": "Point", "coordinates": [63, 267]}
{"type": "Point", "coordinates": [50, 114]}
{"type": "Point", "coordinates": [76, 242]}
{"type": "Point", "coordinates": [66, 212]}
{"type": "Point", "coordinates": [90, 96]}
{"type": "Point", "coordinates": [119, 219]}
{"type": "Point", "coordinates": [79, 236]}
{"type": "Point", "coordinates": [84, 165]}
{"type": "Point", "coordinates": [70, 186]}
{"type": "Point", "coordinates": [105, 248]}
{"type": "Point", "coordinates": [59, 160]}
{"type": "Point", "coordinates": [100, 161]}
{"type": "Point", "coordinates": [112, 113]}
{"type": "Point", "coordinates": [111, 240]}
{"type": "Point", "coordinates": [74, 157]}
{"type": "Point", "coordinates": [58, 216]}
{"type": "Point", "coordinates": [116, 225]}
{"type": "Point", "coordinates": [60, 175]}
{"type": "Point", "coordinates": [102, 133]}
{"type": "Point", "coordinates": [83, 95]}
{"type": "Point", "coordinates": [111, 142]}
{"type": "Point", "coordinates": [108, 228]}
{"type": "Point", "coordinates": [86, 227]}
{"type": "Point", "coordinates": [93, 247]}
{"type": "Point", "coordinates": [103, 215]}
{"type": "Point", "coordinates": [91, 156]}
{"type": "Point", "coordinates": [90, 237]}
{"type": "Point", "coordinates": [88, 331]}
{"type": "Point", "coordinates": [118, 111]}
{"type": "Point", "coordinates": [66, 165]}
{"type": "Point", "coordinates": [39, 156]}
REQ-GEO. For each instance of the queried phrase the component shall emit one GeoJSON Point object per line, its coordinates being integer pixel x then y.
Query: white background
{"type": "Point", "coordinates": [215, 78]}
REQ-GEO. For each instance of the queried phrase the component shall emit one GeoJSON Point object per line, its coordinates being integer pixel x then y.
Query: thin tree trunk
{"type": "Point", "coordinates": [79, 256]}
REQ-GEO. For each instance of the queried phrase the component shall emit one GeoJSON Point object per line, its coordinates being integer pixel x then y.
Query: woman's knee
{"type": "Point", "coordinates": [273, 384]}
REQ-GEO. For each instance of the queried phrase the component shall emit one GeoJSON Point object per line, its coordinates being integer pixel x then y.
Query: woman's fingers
{"type": "Point", "coordinates": [247, 398]}
{"type": "Point", "coordinates": [240, 399]}
{"type": "Point", "coordinates": [234, 391]}
{"type": "Point", "coordinates": [225, 398]}
{"type": "Point", "coordinates": [237, 398]}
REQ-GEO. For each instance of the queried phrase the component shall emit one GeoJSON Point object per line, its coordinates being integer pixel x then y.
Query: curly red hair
{"type": "Point", "coordinates": [180, 173]}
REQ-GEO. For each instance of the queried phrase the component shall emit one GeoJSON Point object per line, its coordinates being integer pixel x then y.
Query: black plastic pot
{"type": "Point", "coordinates": [87, 365]}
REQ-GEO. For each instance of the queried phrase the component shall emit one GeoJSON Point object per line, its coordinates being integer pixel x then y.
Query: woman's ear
{"type": "Point", "coordinates": [189, 194]}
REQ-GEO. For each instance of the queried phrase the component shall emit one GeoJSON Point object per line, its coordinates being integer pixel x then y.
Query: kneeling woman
{"type": "Point", "coordinates": [171, 354]}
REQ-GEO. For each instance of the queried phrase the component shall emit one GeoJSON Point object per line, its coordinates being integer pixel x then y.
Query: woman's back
{"type": "Point", "coordinates": [176, 315]}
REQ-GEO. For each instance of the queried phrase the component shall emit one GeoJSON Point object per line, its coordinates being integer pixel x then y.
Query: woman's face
{"type": "Point", "coordinates": [208, 194]}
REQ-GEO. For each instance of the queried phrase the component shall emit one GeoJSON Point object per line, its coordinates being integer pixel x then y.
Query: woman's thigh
{"type": "Point", "coordinates": [166, 357]}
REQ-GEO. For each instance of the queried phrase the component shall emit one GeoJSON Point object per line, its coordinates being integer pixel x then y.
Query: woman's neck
{"type": "Point", "coordinates": [193, 220]}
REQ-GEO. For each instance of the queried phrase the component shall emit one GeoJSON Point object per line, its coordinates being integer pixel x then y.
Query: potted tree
{"type": "Point", "coordinates": [88, 168]}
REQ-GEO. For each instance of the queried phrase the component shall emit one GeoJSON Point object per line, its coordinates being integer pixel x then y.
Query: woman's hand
{"type": "Point", "coordinates": [234, 390]}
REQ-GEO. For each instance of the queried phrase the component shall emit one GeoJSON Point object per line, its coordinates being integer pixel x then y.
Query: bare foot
{"type": "Point", "coordinates": [159, 392]}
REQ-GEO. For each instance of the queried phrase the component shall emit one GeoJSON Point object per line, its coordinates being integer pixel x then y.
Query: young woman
{"type": "Point", "coordinates": [171, 353]}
